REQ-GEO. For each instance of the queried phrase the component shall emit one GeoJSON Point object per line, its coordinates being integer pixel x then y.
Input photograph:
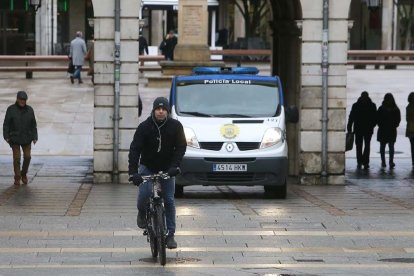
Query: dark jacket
{"type": "Point", "coordinates": [410, 121]}
{"type": "Point", "coordinates": [363, 116]}
{"type": "Point", "coordinates": [389, 119]}
{"type": "Point", "coordinates": [146, 144]}
{"type": "Point", "coordinates": [19, 125]}
{"type": "Point", "coordinates": [143, 45]}
{"type": "Point", "coordinates": [167, 47]}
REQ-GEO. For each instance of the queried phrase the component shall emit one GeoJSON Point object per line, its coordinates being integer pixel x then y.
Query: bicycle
{"type": "Point", "coordinates": [156, 230]}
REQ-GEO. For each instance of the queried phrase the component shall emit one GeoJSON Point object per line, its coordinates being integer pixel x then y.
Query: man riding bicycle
{"type": "Point", "coordinates": [159, 144]}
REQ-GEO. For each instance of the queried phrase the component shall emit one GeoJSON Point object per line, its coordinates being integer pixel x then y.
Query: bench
{"type": "Point", "coordinates": [37, 69]}
{"type": "Point", "coordinates": [142, 58]}
{"type": "Point", "coordinates": [150, 58]}
{"type": "Point", "coordinates": [361, 58]}
{"type": "Point", "coordinates": [25, 63]}
{"type": "Point", "coordinates": [250, 54]}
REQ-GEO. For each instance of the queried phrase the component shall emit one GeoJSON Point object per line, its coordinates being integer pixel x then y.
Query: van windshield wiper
{"type": "Point", "coordinates": [233, 115]}
{"type": "Point", "coordinates": [195, 113]}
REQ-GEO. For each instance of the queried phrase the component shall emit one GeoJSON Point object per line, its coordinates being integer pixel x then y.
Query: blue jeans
{"type": "Point", "coordinates": [168, 190]}
{"type": "Point", "coordinates": [77, 73]}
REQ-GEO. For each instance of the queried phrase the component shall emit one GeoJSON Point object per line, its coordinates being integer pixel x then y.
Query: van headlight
{"type": "Point", "coordinates": [271, 137]}
{"type": "Point", "coordinates": [191, 138]}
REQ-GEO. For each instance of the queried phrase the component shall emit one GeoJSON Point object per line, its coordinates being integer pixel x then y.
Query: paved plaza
{"type": "Point", "coordinates": [62, 224]}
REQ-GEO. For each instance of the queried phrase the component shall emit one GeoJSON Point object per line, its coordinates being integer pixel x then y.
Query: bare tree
{"type": "Point", "coordinates": [253, 12]}
{"type": "Point", "coordinates": [406, 13]}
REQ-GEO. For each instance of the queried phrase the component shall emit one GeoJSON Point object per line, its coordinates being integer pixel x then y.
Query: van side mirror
{"type": "Point", "coordinates": [292, 114]}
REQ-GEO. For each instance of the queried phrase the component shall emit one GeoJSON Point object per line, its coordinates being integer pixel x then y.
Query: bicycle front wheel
{"type": "Point", "coordinates": [160, 231]}
{"type": "Point", "coordinates": [154, 245]}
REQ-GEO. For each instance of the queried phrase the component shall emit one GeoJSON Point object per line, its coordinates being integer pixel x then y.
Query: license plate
{"type": "Point", "coordinates": [229, 167]}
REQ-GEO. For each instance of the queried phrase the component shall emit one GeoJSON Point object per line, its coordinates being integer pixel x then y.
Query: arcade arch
{"type": "Point", "coordinates": [296, 58]}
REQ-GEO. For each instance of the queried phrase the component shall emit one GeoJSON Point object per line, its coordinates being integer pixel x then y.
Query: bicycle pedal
{"type": "Point", "coordinates": [145, 233]}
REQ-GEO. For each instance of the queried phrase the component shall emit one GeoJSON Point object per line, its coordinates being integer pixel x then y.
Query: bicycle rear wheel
{"type": "Point", "coordinates": [160, 230]}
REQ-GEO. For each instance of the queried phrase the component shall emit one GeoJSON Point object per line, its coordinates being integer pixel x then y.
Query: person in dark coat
{"type": "Point", "coordinates": [20, 130]}
{"type": "Point", "coordinates": [389, 118]}
{"type": "Point", "coordinates": [363, 117]}
{"type": "Point", "coordinates": [168, 45]}
{"type": "Point", "coordinates": [410, 124]}
{"type": "Point", "coordinates": [143, 45]}
{"type": "Point", "coordinates": [159, 144]}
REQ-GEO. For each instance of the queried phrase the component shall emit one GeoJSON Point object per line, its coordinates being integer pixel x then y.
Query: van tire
{"type": "Point", "coordinates": [277, 192]}
{"type": "Point", "coordinates": [179, 191]}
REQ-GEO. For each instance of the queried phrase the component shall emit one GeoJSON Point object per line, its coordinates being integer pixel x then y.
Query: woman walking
{"type": "Point", "coordinates": [410, 124]}
{"type": "Point", "coordinates": [389, 118]}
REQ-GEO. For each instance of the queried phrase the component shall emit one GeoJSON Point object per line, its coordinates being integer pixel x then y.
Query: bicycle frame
{"type": "Point", "coordinates": [156, 229]}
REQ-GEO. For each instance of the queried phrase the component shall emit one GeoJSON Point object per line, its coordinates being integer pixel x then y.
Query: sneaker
{"type": "Point", "coordinates": [392, 165]}
{"type": "Point", "coordinates": [366, 167]}
{"type": "Point", "coordinates": [359, 166]}
{"type": "Point", "coordinates": [141, 221]}
{"type": "Point", "coordinates": [171, 243]}
{"type": "Point", "coordinates": [24, 179]}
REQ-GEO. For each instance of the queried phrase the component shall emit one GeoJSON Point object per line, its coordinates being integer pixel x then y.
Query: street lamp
{"type": "Point", "coordinates": [35, 4]}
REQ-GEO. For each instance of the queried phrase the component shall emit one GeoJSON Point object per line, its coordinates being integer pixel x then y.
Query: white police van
{"type": "Point", "coordinates": [234, 123]}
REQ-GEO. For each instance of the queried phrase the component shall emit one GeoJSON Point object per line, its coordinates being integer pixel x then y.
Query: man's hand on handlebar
{"type": "Point", "coordinates": [173, 171]}
{"type": "Point", "coordinates": [136, 178]}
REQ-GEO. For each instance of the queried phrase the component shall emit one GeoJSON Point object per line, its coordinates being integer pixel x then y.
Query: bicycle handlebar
{"type": "Point", "coordinates": [161, 174]}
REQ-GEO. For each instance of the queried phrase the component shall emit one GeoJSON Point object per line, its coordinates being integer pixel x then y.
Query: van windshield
{"type": "Point", "coordinates": [231, 98]}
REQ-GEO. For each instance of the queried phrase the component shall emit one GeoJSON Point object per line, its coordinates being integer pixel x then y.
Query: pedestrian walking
{"type": "Point", "coordinates": [410, 124]}
{"type": "Point", "coordinates": [77, 54]}
{"type": "Point", "coordinates": [143, 45]}
{"type": "Point", "coordinates": [168, 45]}
{"type": "Point", "coordinates": [389, 118]}
{"type": "Point", "coordinates": [363, 118]}
{"type": "Point", "coordinates": [19, 131]}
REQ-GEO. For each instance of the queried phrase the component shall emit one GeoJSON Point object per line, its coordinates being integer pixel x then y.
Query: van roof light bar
{"type": "Point", "coordinates": [225, 70]}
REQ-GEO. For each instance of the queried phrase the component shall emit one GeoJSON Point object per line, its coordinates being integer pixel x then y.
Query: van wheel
{"type": "Point", "coordinates": [179, 191]}
{"type": "Point", "coordinates": [278, 192]}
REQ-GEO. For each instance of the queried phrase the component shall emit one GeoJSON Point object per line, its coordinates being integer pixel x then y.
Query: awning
{"type": "Point", "coordinates": [170, 4]}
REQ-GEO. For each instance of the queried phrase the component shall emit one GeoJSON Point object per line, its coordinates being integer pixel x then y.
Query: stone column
{"type": "Point", "coordinates": [239, 28]}
{"type": "Point", "coordinates": [387, 26]}
{"type": "Point", "coordinates": [192, 48]}
{"type": "Point", "coordinates": [311, 91]}
{"type": "Point", "coordinates": [44, 32]}
{"type": "Point", "coordinates": [104, 29]}
{"type": "Point", "coordinates": [192, 31]}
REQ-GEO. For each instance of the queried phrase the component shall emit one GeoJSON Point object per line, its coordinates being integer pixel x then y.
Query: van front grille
{"type": "Point", "coordinates": [230, 176]}
{"type": "Point", "coordinates": [211, 145]}
{"type": "Point", "coordinates": [230, 160]}
{"type": "Point", "coordinates": [248, 145]}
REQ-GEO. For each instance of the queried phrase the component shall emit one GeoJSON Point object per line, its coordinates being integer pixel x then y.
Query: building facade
{"type": "Point", "coordinates": [297, 38]}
